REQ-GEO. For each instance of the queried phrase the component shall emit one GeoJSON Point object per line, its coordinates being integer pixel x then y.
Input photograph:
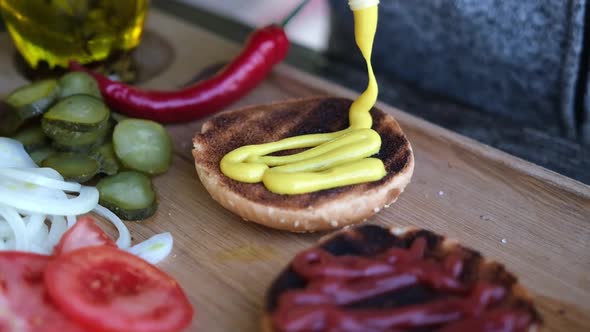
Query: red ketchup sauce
{"type": "Point", "coordinates": [336, 281]}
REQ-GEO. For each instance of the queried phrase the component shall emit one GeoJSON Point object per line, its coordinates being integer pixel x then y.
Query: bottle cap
{"type": "Point", "coordinates": [362, 4]}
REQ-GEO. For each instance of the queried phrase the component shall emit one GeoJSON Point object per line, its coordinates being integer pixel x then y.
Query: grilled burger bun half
{"type": "Point", "coordinates": [367, 242]}
{"type": "Point", "coordinates": [321, 210]}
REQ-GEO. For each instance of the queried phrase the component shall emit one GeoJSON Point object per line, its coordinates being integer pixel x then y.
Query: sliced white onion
{"type": "Point", "coordinates": [17, 225]}
{"type": "Point", "coordinates": [58, 228]}
{"type": "Point", "coordinates": [31, 196]}
{"type": "Point", "coordinates": [34, 222]}
{"type": "Point", "coordinates": [154, 249]}
{"type": "Point", "coordinates": [31, 191]}
{"type": "Point", "coordinates": [5, 230]}
{"type": "Point", "coordinates": [45, 171]}
{"type": "Point", "coordinates": [10, 244]}
{"type": "Point", "coordinates": [40, 236]}
{"type": "Point", "coordinates": [38, 249]}
{"type": "Point", "coordinates": [38, 179]}
{"type": "Point", "coordinates": [71, 221]}
{"type": "Point", "coordinates": [124, 240]}
{"type": "Point", "coordinates": [13, 154]}
{"type": "Point", "coordinates": [81, 204]}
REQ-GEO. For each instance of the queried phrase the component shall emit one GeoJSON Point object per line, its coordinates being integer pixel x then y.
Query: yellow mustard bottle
{"type": "Point", "coordinates": [333, 159]}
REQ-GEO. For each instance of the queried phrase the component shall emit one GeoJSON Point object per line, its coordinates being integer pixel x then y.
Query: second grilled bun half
{"type": "Point", "coordinates": [374, 278]}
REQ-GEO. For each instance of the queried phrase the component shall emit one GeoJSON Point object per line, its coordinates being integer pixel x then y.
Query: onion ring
{"type": "Point", "coordinates": [40, 180]}
{"type": "Point", "coordinates": [17, 225]}
{"type": "Point", "coordinates": [124, 240]}
{"type": "Point", "coordinates": [154, 249]}
{"type": "Point", "coordinates": [81, 204]}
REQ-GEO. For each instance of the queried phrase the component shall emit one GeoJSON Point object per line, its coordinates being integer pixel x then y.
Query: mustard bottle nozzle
{"type": "Point", "coordinates": [362, 4]}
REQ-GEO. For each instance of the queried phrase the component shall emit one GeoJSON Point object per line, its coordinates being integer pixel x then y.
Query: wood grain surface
{"type": "Point", "coordinates": [535, 221]}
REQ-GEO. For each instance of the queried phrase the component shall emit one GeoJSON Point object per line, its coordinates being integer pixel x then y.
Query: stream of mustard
{"type": "Point", "coordinates": [333, 159]}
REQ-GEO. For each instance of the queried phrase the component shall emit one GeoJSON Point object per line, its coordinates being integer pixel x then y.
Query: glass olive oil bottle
{"type": "Point", "coordinates": [57, 31]}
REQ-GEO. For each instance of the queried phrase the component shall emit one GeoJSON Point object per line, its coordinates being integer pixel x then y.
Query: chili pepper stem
{"type": "Point", "coordinates": [294, 13]}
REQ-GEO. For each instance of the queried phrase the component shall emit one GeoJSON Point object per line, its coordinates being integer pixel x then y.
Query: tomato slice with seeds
{"type": "Point", "coordinates": [24, 304]}
{"type": "Point", "coordinates": [106, 289]}
{"type": "Point", "coordinates": [85, 233]}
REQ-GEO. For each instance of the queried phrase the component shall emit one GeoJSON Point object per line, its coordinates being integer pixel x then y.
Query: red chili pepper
{"type": "Point", "coordinates": [264, 49]}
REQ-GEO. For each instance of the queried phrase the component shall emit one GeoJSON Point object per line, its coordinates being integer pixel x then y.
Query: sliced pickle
{"type": "Point", "coordinates": [73, 137]}
{"type": "Point", "coordinates": [32, 137]}
{"type": "Point", "coordinates": [39, 155]}
{"type": "Point", "coordinates": [73, 166]}
{"type": "Point", "coordinates": [10, 121]}
{"type": "Point", "coordinates": [78, 112]}
{"type": "Point", "coordinates": [77, 141]}
{"type": "Point", "coordinates": [77, 147]}
{"type": "Point", "coordinates": [34, 99]}
{"type": "Point", "coordinates": [129, 195]}
{"type": "Point", "coordinates": [76, 83]}
{"type": "Point", "coordinates": [105, 155]}
{"type": "Point", "coordinates": [118, 117]}
{"type": "Point", "coordinates": [143, 145]}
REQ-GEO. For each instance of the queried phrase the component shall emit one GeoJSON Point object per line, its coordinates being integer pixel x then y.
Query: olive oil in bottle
{"type": "Point", "coordinates": [57, 31]}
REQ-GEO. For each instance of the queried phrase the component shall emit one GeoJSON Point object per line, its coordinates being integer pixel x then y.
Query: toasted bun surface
{"type": "Point", "coordinates": [326, 209]}
{"type": "Point", "coordinates": [372, 240]}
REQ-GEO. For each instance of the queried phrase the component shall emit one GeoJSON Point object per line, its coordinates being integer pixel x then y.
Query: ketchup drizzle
{"type": "Point", "coordinates": [337, 281]}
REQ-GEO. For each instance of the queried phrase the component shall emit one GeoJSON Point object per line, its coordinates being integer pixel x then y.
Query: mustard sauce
{"type": "Point", "coordinates": [333, 159]}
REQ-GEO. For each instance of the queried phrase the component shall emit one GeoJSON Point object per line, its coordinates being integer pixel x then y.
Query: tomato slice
{"type": "Point", "coordinates": [106, 289]}
{"type": "Point", "coordinates": [24, 304]}
{"type": "Point", "coordinates": [85, 233]}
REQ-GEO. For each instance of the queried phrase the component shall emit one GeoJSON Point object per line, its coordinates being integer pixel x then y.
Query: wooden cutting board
{"type": "Point", "coordinates": [535, 221]}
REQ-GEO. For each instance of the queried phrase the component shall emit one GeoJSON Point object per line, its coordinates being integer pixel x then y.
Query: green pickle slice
{"type": "Point", "coordinates": [73, 166]}
{"type": "Point", "coordinates": [32, 137]}
{"type": "Point", "coordinates": [129, 195]}
{"type": "Point", "coordinates": [41, 154]}
{"type": "Point", "coordinates": [118, 117]}
{"type": "Point", "coordinates": [32, 100]}
{"type": "Point", "coordinates": [76, 83]}
{"type": "Point", "coordinates": [105, 155]}
{"type": "Point", "coordinates": [26, 102]}
{"type": "Point", "coordinates": [78, 112]}
{"type": "Point", "coordinates": [77, 147]}
{"type": "Point", "coordinates": [143, 145]}
{"type": "Point", "coordinates": [10, 121]}
{"type": "Point", "coordinates": [72, 140]}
